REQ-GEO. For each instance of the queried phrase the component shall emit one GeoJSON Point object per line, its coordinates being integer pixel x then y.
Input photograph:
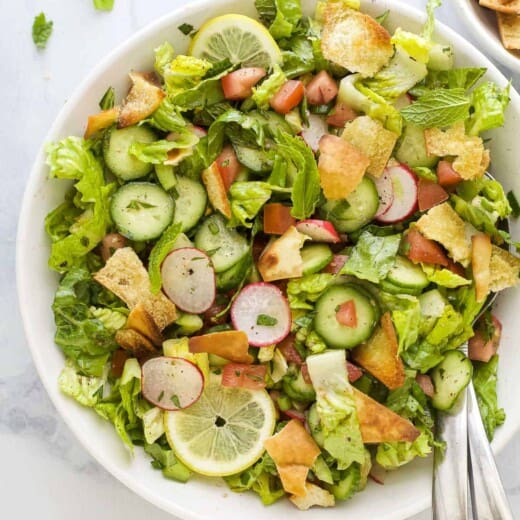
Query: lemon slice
{"type": "Point", "coordinates": [224, 431]}
{"type": "Point", "coordinates": [237, 37]}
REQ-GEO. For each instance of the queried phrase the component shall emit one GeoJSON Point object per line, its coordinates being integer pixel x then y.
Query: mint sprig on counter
{"type": "Point", "coordinates": [41, 30]}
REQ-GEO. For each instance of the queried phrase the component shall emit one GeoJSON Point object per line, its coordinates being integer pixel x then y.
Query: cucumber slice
{"type": "Point", "coordinates": [115, 151]}
{"type": "Point", "coordinates": [253, 158]}
{"type": "Point", "coordinates": [357, 210]}
{"type": "Point", "coordinates": [392, 288]}
{"type": "Point", "coordinates": [141, 210]}
{"type": "Point", "coordinates": [165, 176]}
{"type": "Point", "coordinates": [224, 245]}
{"type": "Point", "coordinates": [412, 148]}
{"type": "Point", "coordinates": [432, 304]}
{"type": "Point", "coordinates": [313, 419]}
{"type": "Point", "coordinates": [450, 377]}
{"type": "Point", "coordinates": [406, 274]}
{"type": "Point", "coordinates": [296, 388]}
{"type": "Point", "coordinates": [328, 327]}
{"type": "Point", "coordinates": [315, 257]}
{"type": "Point", "coordinates": [190, 203]}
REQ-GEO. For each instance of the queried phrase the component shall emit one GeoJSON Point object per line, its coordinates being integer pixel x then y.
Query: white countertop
{"type": "Point", "coordinates": [45, 473]}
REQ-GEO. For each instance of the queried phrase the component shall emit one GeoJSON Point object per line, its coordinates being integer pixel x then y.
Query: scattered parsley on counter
{"type": "Point", "coordinates": [41, 30]}
{"type": "Point", "coordinates": [104, 5]}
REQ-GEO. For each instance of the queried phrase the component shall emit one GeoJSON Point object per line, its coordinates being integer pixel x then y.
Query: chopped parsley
{"type": "Point", "coordinates": [41, 30]}
{"type": "Point", "coordinates": [175, 400]}
{"type": "Point", "coordinates": [266, 320]}
{"type": "Point", "coordinates": [108, 100]}
{"type": "Point", "coordinates": [104, 5]}
{"type": "Point", "coordinates": [186, 28]}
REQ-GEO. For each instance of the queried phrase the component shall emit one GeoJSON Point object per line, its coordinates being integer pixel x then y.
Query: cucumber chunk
{"type": "Point", "coordinates": [408, 275]}
{"type": "Point", "coordinates": [190, 203]}
{"type": "Point", "coordinates": [315, 257]}
{"type": "Point", "coordinates": [411, 149]}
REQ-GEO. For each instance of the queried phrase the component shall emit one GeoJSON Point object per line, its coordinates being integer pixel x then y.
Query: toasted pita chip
{"type": "Point", "coordinates": [442, 224]}
{"type": "Point", "coordinates": [509, 7]}
{"type": "Point", "coordinates": [282, 257]}
{"type": "Point", "coordinates": [379, 355]}
{"type": "Point", "coordinates": [341, 166]}
{"type": "Point", "coordinates": [480, 262]}
{"type": "Point", "coordinates": [354, 40]}
{"type": "Point", "coordinates": [314, 496]}
{"type": "Point", "coordinates": [216, 189]}
{"type": "Point", "coordinates": [229, 344]}
{"type": "Point", "coordinates": [294, 452]}
{"type": "Point", "coordinates": [141, 320]}
{"type": "Point", "coordinates": [124, 274]}
{"type": "Point", "coordinates": [101, 120]}
{"type": "Point", "coordinates": [142, 100]}
{"type": "Point", "coordinates": [134, 341]}
{"type": "Point", "coordinates": [373, 140]}
{"type": "Point", "coordinates": [509, 28]}
{"type": "Point", "coordinates": [504, 269]}
{"type": "Point", "coordinates": [379, 424]}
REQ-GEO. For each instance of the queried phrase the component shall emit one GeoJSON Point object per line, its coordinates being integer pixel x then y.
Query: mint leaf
{"type": "Point", "coordinates": [108, 100]}
{"type": "Point", "coordinates": [439, 108]}
{"type": "Point", "coordinates": [185, 28]}
{"type": "Point", "coordinates": [41, 30]}
{"type": "Point", "coordinates": [266, 320]}
{"type": "Point", "coordinates": [104, 5]}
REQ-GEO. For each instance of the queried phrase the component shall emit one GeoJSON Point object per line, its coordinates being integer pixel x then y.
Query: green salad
{"type": "Point", "coordinates": [274, 245]}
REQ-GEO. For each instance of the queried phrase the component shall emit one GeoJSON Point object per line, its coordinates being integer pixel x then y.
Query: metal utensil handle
{"type": "Point", "coordinates": [450, 476]}
{"type": "Point", "coordinates": [489, 500]}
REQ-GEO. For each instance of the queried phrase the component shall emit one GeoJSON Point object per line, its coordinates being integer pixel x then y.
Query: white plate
{"type": "Point", "coordinates": [483, 24]}
{"type": "Point", "coordinates": [405, 492]}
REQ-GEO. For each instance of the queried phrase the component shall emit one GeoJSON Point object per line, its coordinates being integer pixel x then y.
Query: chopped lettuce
{"type": "Point", "coordinates": [112, 320]}
{"type": "Point", "coordinates": [488, 105]}
{"type": "Point", "coordinates": [268, 88]}
{"type": "Point", "coordinates": [303, 292]}
{"type": "Point", "coordinates": [429, 26]}
{"type": "Point", "coordinates": [183, 73]}
{"type": "Point", "coordinates": [164, 55]}
{"type": "Point", "coordinates": [153, 424]}
{"type": "Point", "coordinates": [416, 46]}
{"type": "Point", "coordinates": [463, 78]}
{"type": "Point", "coordinates": [280, 16]}
{"type": "Point", "coordinates": [84, 389]}
{"type": "Point", "coordinates": [167, 118]}
{"type": "Point", "coordinates": [247, 199]}
{"type": "Point", "coordinates": [157, 152]}
{"type": "Point", "coordinates": [444, 277]}
{"type": "Point", "coordinates": [298, 57]}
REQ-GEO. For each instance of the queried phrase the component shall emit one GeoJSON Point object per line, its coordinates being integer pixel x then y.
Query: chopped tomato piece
{"type": "Point", "coordinates": [228, 165]}
{"type": "Point", "coordinates": [346, 314]}
{"type": "Point", "coordinates": [447, 175]}
{"type": "Point", "coordinates": [119, 358]}
{"type": "Point", "coordinates": [244, 376]}
{"type": "Point", "coordinates": [277, 218]}
{"type": "Point", "coordinates": [305, 374]}
{"type": "Point", "coordinates": [340, 115]}
{"type": "Point", "coordinates": [481, 347]}
{"type": "Point", "coordinates": [321, 89]}
{"type": "Point", "coordinates": [289, 96]}
{"type": "Point", "coordinates": [238, 85]}
{"type": "Point", "coordinates": [430, 194]}
{"type": "Point", "coordinates": [456, 268]}
{"type": "Point", "coordinates": [354, 372]}
{"type": "Point", "coordinates": [422, 249]}
{"type": "Point", "coordinates": [337, 262]}
{"type": "Point", "coordinates": [426, 384]}
{"type": "Point", "coordinates": [289, 351]}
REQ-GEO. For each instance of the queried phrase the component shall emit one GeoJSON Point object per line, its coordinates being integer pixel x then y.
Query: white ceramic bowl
{"type": "Point", "coordinates": [482, 23]}
{"type": "Point", "coordinates": [406, 491]}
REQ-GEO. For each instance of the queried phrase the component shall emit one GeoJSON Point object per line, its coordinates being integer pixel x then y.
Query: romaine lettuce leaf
{"type": "Point", "coordinates": [298, 57]}
{"type": "Point", "coordinates": [164, 55]}
{"type": "Point", "coordinates": [157, 152]}
{"type": "Point", "coordinates": [422, 356]}
{"type": "Point", "coordinates": [463, 78]}
{"type": "Point", "coordinates": [84, 389]}
{"type": "Point", "coordinates": [280, 16]}
{"type": "Point", "coordinates": [444, 277]}
{"type": "Point", "coordinates": [268, 88]}
{"type": "Point", "coordinates": [429, 26]}
{"type": "Point", "coordinates": [112, 320]}
{"type": "Point", "coordinates": [183, 72]}
{"type": "Point", "coordinates": [416, 46]}
{"type": "Point", "coordinates": [488, 106]}
{"type": "Point", "coordinates": [303, 292]}
{"type": "Point", "coordinates": [246, 200]}
{"type": "Point", "coordinates": [167, 118]}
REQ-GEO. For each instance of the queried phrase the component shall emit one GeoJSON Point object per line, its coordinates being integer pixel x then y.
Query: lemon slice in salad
{"type": "Point", "coordinates": [224, 431]}
{"type": "Point", "coordinates": [237, 37]}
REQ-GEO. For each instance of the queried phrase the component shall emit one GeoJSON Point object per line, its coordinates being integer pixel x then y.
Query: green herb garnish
{"type": "Point", "coordinates": [104, 5]}
{"type": "Point", "coordinates": [266, 320]}
{"type": "Point", "coordinates": [41, 30]}
{"type": "Point", "coordinates": [108, 100]}
{"type": "Point", "coordinates": [186, 28]}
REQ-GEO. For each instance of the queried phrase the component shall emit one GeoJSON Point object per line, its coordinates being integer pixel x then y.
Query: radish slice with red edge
{"type": "Point", "coordinates": [317, 128]}
{"type": "Point", "coordinates": [262, 312]}
{"type": "Point", "coordinates": [295, 414]}
{"type": "Point", "coordinates": [404, 185]}
{"type": "Point", "coordinates": [199, 131]}
{"type": "Point", "coordinates": [171, 383]}
{"type": "Point", "coordinates": [385, 192]}
{"type": "Point", "coordinates": [319, 230]}
{"type": "Point", "coordinates": [189, 279]}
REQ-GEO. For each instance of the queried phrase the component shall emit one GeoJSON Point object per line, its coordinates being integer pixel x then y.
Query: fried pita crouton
{"type": "Point", "coordinates": [354, 40]}
{"type": "Point", "coordinates": [294, 452]}
{"type": "Point", "coordinates": [509, 29]}
{"type": "Point", "coordinates": [124, 275]}
{"type": "Point", "coordinates": [372, 139]}
{"type": "Point", "coordinates": [282, 257]}
{"type": "Point", "coordinates": [504, 269]}
{"type": "Point", "coordinates": [141, 320]}
{"type": "Point", "coordinates": [314, 496]}
{"type": "Point", "coordinates": [379, 355]}
{"type": "Point", "coordinates": [341, 166]}
{"type": "Point", "coordinates": [510, 7]}
{"type": "Point", "coordinates": [442, 224]}
{"type": "Point", "coordinates": [229, 344]}
{"type": "Point", "coordinates": [216, 189]}
{"type": "Point", "coordinates": [142, 100]}
{"type": "Point", "coordinates": [101, 120]}
{"type": "Point", "coordinates": [379, 424]}
{"type": "Point", "coordinates": [480, 262]}
{"type": "Point", "coordinates": [134, 341]}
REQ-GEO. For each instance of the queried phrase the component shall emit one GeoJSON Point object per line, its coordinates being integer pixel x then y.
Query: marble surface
{"type": "Point", "coordinates": [44, 471]}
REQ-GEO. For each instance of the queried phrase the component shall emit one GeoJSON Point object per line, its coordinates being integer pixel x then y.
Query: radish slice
{"type": "Point", "coordinates": [171, 383]}
{"type": "Point", "coordinates": [385, 191]}
{"type": "Point", "coordinates": [199, 131]}
{"type": "Point", "coordinates": [319, 230]}
{"type": "Point", "coordinates": [404, 185]}
{"type": "Point", "coordinates": [315, 131]}
{"type": "Point", "coordinates": [295, 414]}
{"type": "Point", "coordinates": [189, 279]}
{"type": "Point", "coordinates": [262, 312]}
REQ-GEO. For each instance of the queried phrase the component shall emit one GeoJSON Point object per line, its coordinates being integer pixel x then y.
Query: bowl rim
{"type": "Point", "coordinates": [492, 43]}
{"type": "Point", "coordinates": [30, 192]}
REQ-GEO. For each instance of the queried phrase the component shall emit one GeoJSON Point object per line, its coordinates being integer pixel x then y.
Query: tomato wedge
{"type": "Point", "coordinates": [238, 85]}
{"type": "Point", "coordinates": [346, 314]}
{"type": "Point", "coordinates": [426, 384]}
{"type": "Point", "coordinates": [422, 249]}
{"type": "Point", "coordinates": [321, 89]}
{"type": "Point", "coordinates": [337, 262]}
{"type": "Point", "coordinates": [277, 218]}
{"type": "Point", "coordinates": [228, 165]}
{"type": "Point", "coordinates": [340, 115]}
{"type": "Point", "coordinates": [244, 376]}
{"type": "Point", "coordinates": [481, 348]}
{"type": "Point", "coordinates": [354, 372]}
{"type": "Point", "coordinates": [430, 194]}
{"type": "Point", "coordinates": [289, 96]}
{"type": "Point", "coordinates": [289, 351]}
{"type": "Point", "coordinates": [447, 175]}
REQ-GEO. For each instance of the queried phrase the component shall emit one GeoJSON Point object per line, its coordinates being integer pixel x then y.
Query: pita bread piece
{"type": "Point", "coordinates": [229, 344]}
